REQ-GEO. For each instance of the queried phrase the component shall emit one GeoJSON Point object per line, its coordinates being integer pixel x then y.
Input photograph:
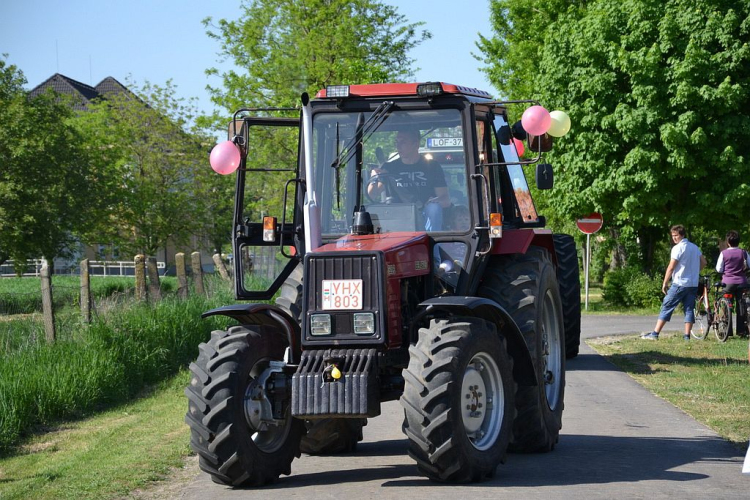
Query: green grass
{"type": "Point", "coordinates": [706, 379]}
{"type": "Point", "coordinates": [597, 305]}
{"type": "Point", "coordinates": [94, 366]}
{"type": "Point", "coordinates": [107, 456]}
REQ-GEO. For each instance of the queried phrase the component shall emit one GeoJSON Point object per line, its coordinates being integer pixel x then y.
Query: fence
{"type": "Point", "coordinates": [144, 270]}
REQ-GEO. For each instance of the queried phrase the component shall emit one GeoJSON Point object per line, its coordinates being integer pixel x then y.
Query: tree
{"type": "Point", "coordinates": [48, 187]}
{"type": "Point", "coordinates": [160, 163]}
{"type": "Point", "coordinates": [285, 47]}
{"type": "Point", "coordinates": [658, 93]}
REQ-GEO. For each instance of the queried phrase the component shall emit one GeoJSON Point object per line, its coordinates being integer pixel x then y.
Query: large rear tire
{"type": "Point", "coordinates": [328, 435]}
{"type": "Point", "coordinates": [568, 277]}
{"type": "Point", "coordinates": [526, 286]}
{"type": "Point", "coordinates": [233, 445]}
{"type": "Point", "coordinates": [458, 400]}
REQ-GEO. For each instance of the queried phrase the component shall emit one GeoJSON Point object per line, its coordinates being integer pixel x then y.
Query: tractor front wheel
{"type": "Point", "coordinates": [458, 400]}
{"type": "Point", "coordinates": [233, 430]}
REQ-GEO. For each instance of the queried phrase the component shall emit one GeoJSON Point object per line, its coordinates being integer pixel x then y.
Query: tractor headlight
{"type": "Point", "coordinates": [364, 323]}
{"type": "Point", "coordinates": [320, 324]}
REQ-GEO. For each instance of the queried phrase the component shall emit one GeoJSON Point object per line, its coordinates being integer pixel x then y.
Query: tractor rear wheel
{"type": "Point", "coordinates": [328, 435]}
{"type": "Point", "coordinates": [231, 430]}
{"type": "Point", "coordinates": [526, 286]}
{"type": "Point", "coordinates": [568, 278]}
{"type": "Point", "coordinates": [458, 400]}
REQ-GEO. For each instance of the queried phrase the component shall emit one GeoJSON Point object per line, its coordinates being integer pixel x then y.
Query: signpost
{"type": "Point", "coordinates": [589, 225]}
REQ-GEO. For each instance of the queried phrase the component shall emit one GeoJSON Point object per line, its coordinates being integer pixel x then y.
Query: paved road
{"type": "Point", "coordinates": [617, 441]}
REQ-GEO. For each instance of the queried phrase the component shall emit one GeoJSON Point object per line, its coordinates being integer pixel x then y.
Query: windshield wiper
{"type": "Point", "coordinates": [368, 128]}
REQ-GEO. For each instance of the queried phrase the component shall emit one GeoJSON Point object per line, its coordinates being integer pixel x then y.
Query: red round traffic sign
{"type": "Point", "coordinates": [591, 223]}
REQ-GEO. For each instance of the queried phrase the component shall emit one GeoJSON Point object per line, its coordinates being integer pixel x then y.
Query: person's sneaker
{"type": "Point", "coordinates": [650, 336]}
{"type": "Point", "coordinates": [686, 337]}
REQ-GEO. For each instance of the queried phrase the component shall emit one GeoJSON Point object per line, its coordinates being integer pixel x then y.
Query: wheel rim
{"type": "Point", "coordinates": [267, 437]}
{"type": "Point", "coordinates": [482, 401]}
{"type": "Point", "coordinates": [552, 351]}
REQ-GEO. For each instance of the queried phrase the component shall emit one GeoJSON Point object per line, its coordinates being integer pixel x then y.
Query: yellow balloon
{"type": "Point", "coordinates": [560, 124]}
{"type": "Point", "coordinates": [335, 373]}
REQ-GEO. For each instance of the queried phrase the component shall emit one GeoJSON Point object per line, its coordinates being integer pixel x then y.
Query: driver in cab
{"type": "Point", "coordinates": [417, 179]}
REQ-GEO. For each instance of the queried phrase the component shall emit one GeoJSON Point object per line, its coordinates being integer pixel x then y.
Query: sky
{"type": "Point", "coordinates": [158, 40]}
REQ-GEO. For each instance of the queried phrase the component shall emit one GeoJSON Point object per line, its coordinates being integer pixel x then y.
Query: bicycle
{"type": "Point", "coordinates": [715, 314]}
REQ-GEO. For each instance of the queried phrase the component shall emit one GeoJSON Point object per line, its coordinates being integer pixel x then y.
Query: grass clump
{"type": "Point", "coordinates": [706, 379]}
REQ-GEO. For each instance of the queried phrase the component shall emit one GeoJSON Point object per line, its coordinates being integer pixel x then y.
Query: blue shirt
{"type": "Point", "coordinates": [688, 268]}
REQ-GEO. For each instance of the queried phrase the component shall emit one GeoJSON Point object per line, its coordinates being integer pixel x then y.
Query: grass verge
{"type": "Point", "coordinates": [106, 456]}
{"type": "Point", "coordinates": [706, 379]}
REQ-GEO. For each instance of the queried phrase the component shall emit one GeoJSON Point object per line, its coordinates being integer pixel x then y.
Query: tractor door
{"type": "Point", "coordinates": [265, 244]}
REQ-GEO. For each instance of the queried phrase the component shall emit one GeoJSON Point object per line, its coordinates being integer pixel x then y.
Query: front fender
{"type": "Point", "coordinates": [523, 367]}
{"type": "Point", "coordinates": [264, 314]}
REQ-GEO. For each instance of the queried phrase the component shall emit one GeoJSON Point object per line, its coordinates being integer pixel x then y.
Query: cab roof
{"type": "Point", "coordinates": [398, 90]}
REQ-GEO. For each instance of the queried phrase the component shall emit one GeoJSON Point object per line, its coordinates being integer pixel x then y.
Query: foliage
{"type": "Point", "coordinates": [49, 189]}
{"type": "Point", "coordinates": [150, 145]}
{"type": "Point", "coordinates": [658, 93]}
{"type": "Point", "coordinates": [629, 287]}
{"type": "Point", "coordinates": [285, 47]}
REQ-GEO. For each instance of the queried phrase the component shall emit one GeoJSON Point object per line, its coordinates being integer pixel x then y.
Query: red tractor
{"type": "Point", "coordinates": [395, 226]}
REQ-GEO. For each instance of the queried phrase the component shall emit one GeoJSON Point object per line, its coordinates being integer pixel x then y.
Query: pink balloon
{"type": "Point", "coordinates": [536, 120]}
{"type": "Point", "coordinates": [519, 146]}
{"type": "Point", "coordinates": [225, 158]}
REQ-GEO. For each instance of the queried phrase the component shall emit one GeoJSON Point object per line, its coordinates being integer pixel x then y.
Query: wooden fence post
{"type": "Point", "coordinates": [47, 310]}
{"type": "Point", "coordinates": [85, 291]}
{"type": "Point", "coordinates": [195, 259]}
{"type": "Point", "coordinates": [219, 263]}
{"type": "Point", "coordinates": [154, 287]}
{"type": "Point", "coordinates": [181, 270]}
{"type": "Point", "coordinates": [140, 278]}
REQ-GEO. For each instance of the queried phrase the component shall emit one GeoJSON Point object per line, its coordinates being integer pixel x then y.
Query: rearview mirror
{"type": "Point", "coordinates": [544, 177]}
{"type": "Point", "coordinates": [235, 129]}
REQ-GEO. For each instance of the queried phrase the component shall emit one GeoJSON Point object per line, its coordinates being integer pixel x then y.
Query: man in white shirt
{"type": "Point", "coordinates": [685, 264]}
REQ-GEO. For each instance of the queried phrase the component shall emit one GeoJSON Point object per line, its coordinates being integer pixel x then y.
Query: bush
{"type": "Point", "coordinates": [629, 287]}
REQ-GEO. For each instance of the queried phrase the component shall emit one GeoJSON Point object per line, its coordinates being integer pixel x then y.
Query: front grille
{"type": "Point", "coordinates": [345, 266]}
{"type": "Point", "coordinates": [362, 267]}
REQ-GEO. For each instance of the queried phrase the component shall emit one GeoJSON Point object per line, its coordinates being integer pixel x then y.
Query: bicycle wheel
{"type": "Point", "coordinates": [702, 320]}
{"type": "Point", "coordinates": [723, 323]}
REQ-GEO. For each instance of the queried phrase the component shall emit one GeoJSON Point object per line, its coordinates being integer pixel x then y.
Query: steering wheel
{"type": "Point", "coordinates": [389, 183]}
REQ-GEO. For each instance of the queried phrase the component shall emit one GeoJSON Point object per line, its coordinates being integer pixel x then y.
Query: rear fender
{"type": "Point", "coordinates": [523, 367]}
{"type": "Point", "coordinates": [264, 314]}
{"type": "Point", "coordinates": [516, 241]}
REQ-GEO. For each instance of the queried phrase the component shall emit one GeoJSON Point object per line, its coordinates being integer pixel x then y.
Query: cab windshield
{"type": "Point", "coordinates": [414, 173]}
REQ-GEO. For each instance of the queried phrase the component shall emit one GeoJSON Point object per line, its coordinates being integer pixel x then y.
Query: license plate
{"type": "Point", "coordinates": [342, 294]}
{"type": "Point", "coordinates": [445, 142]}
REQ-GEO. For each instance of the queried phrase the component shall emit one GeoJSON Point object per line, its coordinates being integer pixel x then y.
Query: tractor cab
{"type": "Point", "coordinates": [380, 160]}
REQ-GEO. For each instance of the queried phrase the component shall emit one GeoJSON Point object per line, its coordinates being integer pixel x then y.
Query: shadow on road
{"type": "Point", "coordinates": [581, 460]}
{"type": "Point", "coordinates": [577, 460]}
{"type": "Point", "coordinates": [589, 362]}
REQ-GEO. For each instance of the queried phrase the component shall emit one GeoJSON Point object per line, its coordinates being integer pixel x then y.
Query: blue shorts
{"type": "Point", "coordinates": [676, 295]}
